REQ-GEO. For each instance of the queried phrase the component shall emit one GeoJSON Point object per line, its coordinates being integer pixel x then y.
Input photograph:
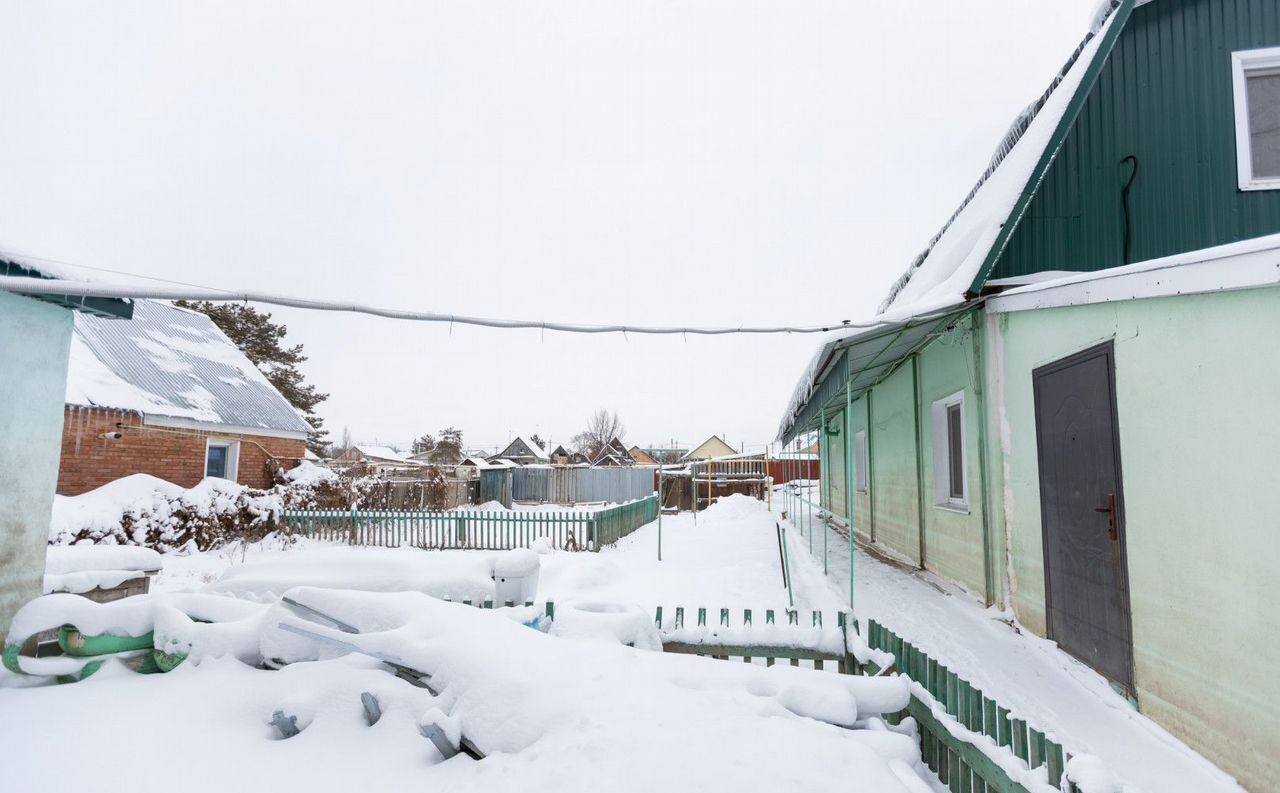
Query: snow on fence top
{"type": "Point", "coordinates": [169, 361]}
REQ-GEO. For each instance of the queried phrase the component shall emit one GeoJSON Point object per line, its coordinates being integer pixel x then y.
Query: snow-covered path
{"type": "Point", "coordinates": [1024, 672]}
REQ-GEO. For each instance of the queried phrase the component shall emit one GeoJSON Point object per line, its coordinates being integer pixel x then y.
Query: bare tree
{"type": "Point", "coordinates": [602, 427]}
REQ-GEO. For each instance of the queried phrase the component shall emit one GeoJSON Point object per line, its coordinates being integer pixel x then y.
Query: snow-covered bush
{"type": "Point", "coordinates": [148, 511]}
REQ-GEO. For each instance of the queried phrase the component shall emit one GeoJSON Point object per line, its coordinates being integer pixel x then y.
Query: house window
{"type": "Point", "coordinates": [860, 460]}
{"type": "Point", "coordinates": [222, 459]}
{"type": "Point", "coordinates": [1256, 77]}
{"type": "Point", "coordinates": [950, 480]}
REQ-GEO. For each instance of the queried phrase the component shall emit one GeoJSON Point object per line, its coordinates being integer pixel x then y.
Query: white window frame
{"type": "Point", "coordinates": [860, 478]}
{"type": "Point", "coordinates": [1242, 63]}
{"type": "Point", "coordinates": [942, 498]}
{"type": "Point", "coordinates": [233, 457]}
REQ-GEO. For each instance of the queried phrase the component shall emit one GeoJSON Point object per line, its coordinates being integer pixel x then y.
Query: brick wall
{"type": "Point", "coordinates": [176, 455]}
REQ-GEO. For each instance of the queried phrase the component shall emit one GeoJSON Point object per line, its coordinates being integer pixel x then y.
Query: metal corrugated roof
{"type": "Point", "coordinates": [863, 360]}
{"type": "Point", "coordinates": [168, 361]}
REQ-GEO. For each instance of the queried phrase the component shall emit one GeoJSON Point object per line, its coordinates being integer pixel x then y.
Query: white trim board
{"type": "Point", "coordinates": [219, 429]}
{"type": "Point", "coordinates": [1249, 264]}
{"type": "Point", "coordinates": [1242, 62]}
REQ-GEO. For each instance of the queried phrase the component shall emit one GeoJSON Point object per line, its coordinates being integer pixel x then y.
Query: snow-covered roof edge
{"type": "Point", "coordinates": [965, 241]}
{"type": "Point", "coordinates": [15, 263]}
{"type": "Point", "coordinates": [1102, 16]}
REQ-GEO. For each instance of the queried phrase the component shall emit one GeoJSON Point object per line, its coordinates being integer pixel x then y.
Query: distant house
{"type": "Point", "coordinates": [561, 456]}
{"type": "Point", "coordinates": [35, 334]}
{"type": "Point", "coordinates": [167, 393]}
{"type": "Point", "coordinates": [1067, 404]}
{"type": "Point", "coordinates": [613, 454]}
{"type": "Point", "coordinates": [640, 456]}
{"type": "Point", "coordinates": [661, 455]}
{"type": "Point", "coordinates": [378, 458]}
{"type": "Point", "coordinates": [524, 452]}
{"type": "Point", "coordinates": [710, 448]}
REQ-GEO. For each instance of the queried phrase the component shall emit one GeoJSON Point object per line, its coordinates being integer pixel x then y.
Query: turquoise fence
{"type": "Point", "coordinates": [574, 531]}
{"type": "Point", "coordinates": [958, 762]}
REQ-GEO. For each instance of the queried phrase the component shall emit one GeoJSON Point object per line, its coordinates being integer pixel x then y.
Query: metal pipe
{"type": "Point", "coordinates": [850, 478]}
{"type": "Point", "coordinates": [825, 479]}
{"type": "Point", "coordinates": [53, 286]}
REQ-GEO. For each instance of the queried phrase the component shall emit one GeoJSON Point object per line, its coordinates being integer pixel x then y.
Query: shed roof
{"type": "Point", "coordinates": [385, 453]}
{"type": "Point", "coordinates": [175, 363]}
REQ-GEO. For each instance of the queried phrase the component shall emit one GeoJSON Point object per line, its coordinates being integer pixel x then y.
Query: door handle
{"type": "Point", "coordinates": [1110, 509]}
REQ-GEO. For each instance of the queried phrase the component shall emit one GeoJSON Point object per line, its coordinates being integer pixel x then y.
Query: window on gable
{"type": "Point", "coordinates": [1256, 77]}
{"type": "Point", "coordinates": [860, 461]}
{"type": "Point", "coordinates": [222, 459]}
{"type": "Point", "coordinates": [950, 470]}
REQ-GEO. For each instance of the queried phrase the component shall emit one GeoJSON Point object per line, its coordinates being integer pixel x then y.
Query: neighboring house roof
{"type": "Point", "coordinates": [523, 447]}
{"type": "Point", "coordinates": [709, 449]}
{"type": "Point", "coordinates": [16, 265]}
{"type": "Point", "coordinates": [383, 454]}
{"type": "Point", "coordinates": [174, 366]}
{"type": "Point", "coordinates": [641, 456]}
{"type": "Point", "coordinates": [560, 451]}
{"type": "Point", "coordinates": [942, 280]}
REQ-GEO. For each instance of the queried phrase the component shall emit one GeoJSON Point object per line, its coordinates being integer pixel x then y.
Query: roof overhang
{"type": "Point", "coordinates": [108, 307]}
{"type": "Point", "coordinates": [858, 362]}
{"type": "Point", "coordinates": [215, 428]}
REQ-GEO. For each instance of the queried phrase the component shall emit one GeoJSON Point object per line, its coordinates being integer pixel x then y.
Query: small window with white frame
{"type": "Point", "coordinates": [222, 459]}
{"type": "Point", "coordinates": [1256, 85]}
{"type": "Point", "coordinates": [860, 461]}
{"type": "Point", "coordinates": [950, 469]}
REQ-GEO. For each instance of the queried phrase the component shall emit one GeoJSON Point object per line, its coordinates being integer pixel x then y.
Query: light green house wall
{"type": "Point", "coordinates": [1197, 392]}
{"type": "Point", "coordinates": [896, 519]}
{"type": "Point", "coordinates": [835, 493]}
{"type": "Point", "coordinates": [953, 539]}
{"type": "Point", "coordinates": [35, 339]}
{"type": "Point", "coordinates": [861, 498]}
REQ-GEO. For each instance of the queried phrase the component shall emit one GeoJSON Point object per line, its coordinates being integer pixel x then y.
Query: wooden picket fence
{"type": "Point", "coordinates": [495, 530]}
{"type": "Point", "coordinates": [957, 762]}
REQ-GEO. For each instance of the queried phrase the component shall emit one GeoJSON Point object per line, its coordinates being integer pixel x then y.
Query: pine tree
{"type": "Point", "coordinates": [262, 342]}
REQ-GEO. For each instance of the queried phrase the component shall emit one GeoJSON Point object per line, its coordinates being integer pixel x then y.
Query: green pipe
{"type": "Point", "coordinates": [920, 491]}
{"type": "Point", "coordinates": [871, 488]}
{"type": "Point", "coordinates": [786, 563]}
{"type": "Point", "coordinates": [825, 474]}
{"type": "Point", "coordinates": [849, 478]}
{"type": "Point", "coordinates": [74, 643]}
{"type": "Point", "coordinates": [659, 511]}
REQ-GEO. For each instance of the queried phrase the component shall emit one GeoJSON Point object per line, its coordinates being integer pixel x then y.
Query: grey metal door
{"type": "Point", "coordinates": [1082, 512]}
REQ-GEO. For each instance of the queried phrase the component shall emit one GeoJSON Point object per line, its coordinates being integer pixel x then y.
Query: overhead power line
{"type": "Point", "coordinates": [68, 288]}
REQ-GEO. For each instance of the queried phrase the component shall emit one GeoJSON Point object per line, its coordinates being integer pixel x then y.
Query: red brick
{"type": "Point", "coordinates": [176, 455]}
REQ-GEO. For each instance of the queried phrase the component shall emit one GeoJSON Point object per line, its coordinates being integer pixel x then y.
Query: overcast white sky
{"type": "Point", "coordinates": [675, 162]}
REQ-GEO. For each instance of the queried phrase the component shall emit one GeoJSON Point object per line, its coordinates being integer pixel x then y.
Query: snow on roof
{"type": "Point", "coordinates": [384, 453]}
{"type": "Point", "coordinates": [168, 361]}
{"type": "Point", "coordinates": [539, 450]}
{"type": "Point", "coordinates": [942, 274]}
{"type": "Point", "coordinates": [939, 279]}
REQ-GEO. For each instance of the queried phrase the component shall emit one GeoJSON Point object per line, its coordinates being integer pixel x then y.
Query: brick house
{"type": "Point", "coordinates": [168, 394]}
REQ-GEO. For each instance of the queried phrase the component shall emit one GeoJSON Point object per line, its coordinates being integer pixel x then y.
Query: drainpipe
{"type": "Point", "coordinates": [915, 412]}
{"type": "Point", "coordinates": [871, 489]}
{"type": "Point", "coordinates": [979, 390]}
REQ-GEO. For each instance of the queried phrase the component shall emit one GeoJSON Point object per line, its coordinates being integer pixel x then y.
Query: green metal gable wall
{"type": "Point", "coordinates": [1165, 97]}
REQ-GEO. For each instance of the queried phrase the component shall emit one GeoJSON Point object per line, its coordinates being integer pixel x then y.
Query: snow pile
{"type": "Point", "coordinates": [308, 474]}
{"type": "Point", "coordinates": [143, 510]}
{"type": "Point", "coordinates": [81, 568]}
{"type": "Point", "coordinates": [568, 713]}
{"type": "Point", "coordinates": [453, 576]}
{"type": "Point", "coordinates": [608, 622]}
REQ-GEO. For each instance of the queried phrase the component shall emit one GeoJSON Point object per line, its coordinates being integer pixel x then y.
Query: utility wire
{"type": "Point", "coordinates": [68, 288]}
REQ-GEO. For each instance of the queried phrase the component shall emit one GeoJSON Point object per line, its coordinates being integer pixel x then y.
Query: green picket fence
{"type": "Point", "coordinates": [474, 530]}
{"type": "Point", "coordinates": [958, 763]}
{"type": "Point", "coordinates": [796, 647]}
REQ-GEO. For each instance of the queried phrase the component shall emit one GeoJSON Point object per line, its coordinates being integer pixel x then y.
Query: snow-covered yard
{"type": "Point", "coordinates": [561, 713]}
{"type": "Point", "coordinates": [553, 712]}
